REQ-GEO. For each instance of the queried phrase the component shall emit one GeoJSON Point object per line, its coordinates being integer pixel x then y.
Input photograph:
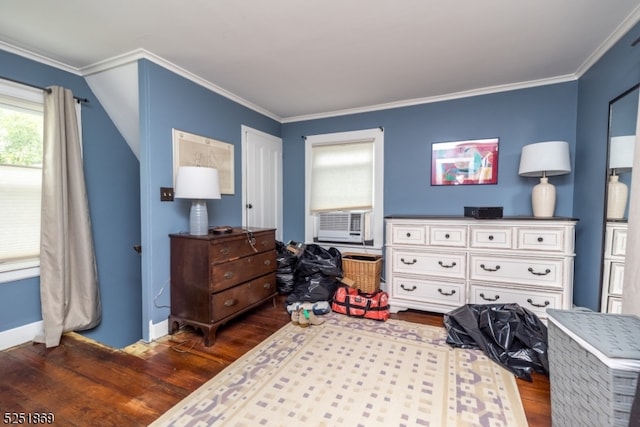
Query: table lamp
{"type": "Point", "coordinates": [621, 150]}
{"type": "Point", "coordinates": [544, 159]}
{"type": "Point", "coordinates": [197, 183]}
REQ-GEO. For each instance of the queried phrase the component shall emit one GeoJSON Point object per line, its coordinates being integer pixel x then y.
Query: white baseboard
{"type": "Point", "coordinates": [158, 330]}
{"type": "Point", "coordinates": [20, 335]}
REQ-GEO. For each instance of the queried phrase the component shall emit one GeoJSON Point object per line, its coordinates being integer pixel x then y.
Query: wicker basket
{"type": "Point", "coordinates": [364, 269]}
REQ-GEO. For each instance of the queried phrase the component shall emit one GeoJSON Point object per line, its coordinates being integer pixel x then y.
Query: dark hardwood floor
{"type": "Point", "coordinates": [83, 383]}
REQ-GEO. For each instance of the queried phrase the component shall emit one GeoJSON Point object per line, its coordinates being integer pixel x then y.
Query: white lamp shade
{"type": "Point", "coordinates": [195, 182]}
{"type": "Point", "coordinates": [621, 153]}
{"type": "Point", "coordinates": [545, 159]}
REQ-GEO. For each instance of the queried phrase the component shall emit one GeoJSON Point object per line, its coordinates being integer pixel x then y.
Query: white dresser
{"type": "Point", "coordinates": [440, 263]}
{"type": "Point", "coordinates": [615, 243]}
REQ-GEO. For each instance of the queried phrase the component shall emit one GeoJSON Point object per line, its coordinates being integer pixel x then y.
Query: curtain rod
{"type": "Point", "coordinates": [44, 89]}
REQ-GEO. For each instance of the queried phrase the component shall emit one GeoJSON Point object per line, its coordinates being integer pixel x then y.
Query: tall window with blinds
{"type": "Point", "coordinates": [21, 132]}
{"type": "Point", "coordinates": [344, 178]}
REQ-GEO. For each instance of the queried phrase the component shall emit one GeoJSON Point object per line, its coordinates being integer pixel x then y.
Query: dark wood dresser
{"type": "Point", "coordinates": [214, 278]}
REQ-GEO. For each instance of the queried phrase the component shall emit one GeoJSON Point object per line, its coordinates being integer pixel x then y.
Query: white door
{"type": "Point", "coordinates": [262, 180]}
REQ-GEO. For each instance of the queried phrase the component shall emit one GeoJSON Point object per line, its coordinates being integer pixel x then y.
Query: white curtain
{"type": "Point", "coordinates": [68, 276]}
{"type": "Point", "coordinates": [631, 286]}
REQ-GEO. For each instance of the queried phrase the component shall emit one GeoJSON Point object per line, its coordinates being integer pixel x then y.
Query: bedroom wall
{"type": "Point", "coordinates": [517, 117]}
{"type": "Point", "coordinates": [614, 73]}
{"type": "Point", "coordinates": [168, 101]}
{"type": "Point", "coordinates": [112, 178]}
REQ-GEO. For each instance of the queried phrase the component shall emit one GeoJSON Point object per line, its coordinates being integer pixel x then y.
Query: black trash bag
{"type": "Point", "coordinates": [287, 262]}
{"type": "Point", "coordinates": [509, 334]}
{"type": "Point", "coordinates": [316, 275]}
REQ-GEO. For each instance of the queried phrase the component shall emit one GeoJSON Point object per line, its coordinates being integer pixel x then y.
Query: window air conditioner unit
{"type": "Point", "coordinates": [343, 226]}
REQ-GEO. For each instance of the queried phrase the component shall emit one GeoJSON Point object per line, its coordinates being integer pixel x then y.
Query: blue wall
{"type": "Point", "coordinates": [616, 72]}
{"type": "Point", "coordinates": [518, 118]}
{"type": "Point", "coordinates": [169, 101]}
{"type": "Point", "coordinates": [112, 178]}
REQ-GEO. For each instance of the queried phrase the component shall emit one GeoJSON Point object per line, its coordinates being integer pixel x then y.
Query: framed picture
{"type": "Point", "coordinates": [195, 150]}
{"type": "Point", "coordinates": [465, 162]}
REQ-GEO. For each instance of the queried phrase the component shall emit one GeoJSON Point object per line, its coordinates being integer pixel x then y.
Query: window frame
{"type": "Point", "coordinates": [377, 135]}
{"type": "Point", "coordinates": [27, 268]}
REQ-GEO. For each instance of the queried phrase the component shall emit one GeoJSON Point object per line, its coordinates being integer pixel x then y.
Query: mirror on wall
{"type": "Point", "coordinates": [623, 117]}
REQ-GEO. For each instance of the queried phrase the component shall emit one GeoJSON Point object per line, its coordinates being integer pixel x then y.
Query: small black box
{"type": "Point", "coordinates": [483, 212]}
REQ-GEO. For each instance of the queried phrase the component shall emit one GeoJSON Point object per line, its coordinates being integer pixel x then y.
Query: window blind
{"type": "Point", "coordinates": [342, 176]}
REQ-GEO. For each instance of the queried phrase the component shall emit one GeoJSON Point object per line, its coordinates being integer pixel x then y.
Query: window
{"type": "Point", "coordinates": [344, 171]}
{"type": "Point", "coordinates": [21, 132]}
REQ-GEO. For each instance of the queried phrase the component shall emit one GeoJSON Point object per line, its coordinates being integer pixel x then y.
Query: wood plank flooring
{"type": "Point", "coordinates": [83, 383]}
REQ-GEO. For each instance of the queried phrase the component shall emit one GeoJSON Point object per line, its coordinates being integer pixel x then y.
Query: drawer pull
{"type": "Point", "coordinates": [408, 262]}
{"type": "Point", "coordinates": [490, 236]}
{"type": "Point", "coordinates": [230, 302]}
{"type": "Point", "coordinates": [453, 291]}
{"type": "Point", "coordinates": [446, 236]}
{"type": "Point", "coordinates": [546, 303]}
{"type": "Point", "coordinates": [453, 264]}
{"type": "Point", "coordinates": [413, 288]}
{"type": "Point", "coordinates": [228, 275]}
{"type": "Point", "coordinates": [547, 271]}
{"type": "Point", "coordinates": [224, 251]}
{"type": "Point", "coordinates": [408, 234]}
{"type": "Point", "coordinates": [267, 262]}
{"type": "Point", "coordinates": [264, 243]}
{"type": "Point", "coordinates": [489, 269]}
{"type": "Point", "coordinates": [267, 286]}
{"type": "Point", "coordinates": [497, 297]}
{"type": "Point", "coordinates": [540, 240]}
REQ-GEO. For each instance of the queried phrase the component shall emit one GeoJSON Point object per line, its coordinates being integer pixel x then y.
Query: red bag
{"type": "Point", "coordinates": [354, 303]}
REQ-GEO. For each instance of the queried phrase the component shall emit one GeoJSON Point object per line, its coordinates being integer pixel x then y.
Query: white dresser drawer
{"type": "Point", "coordinates": [491, 237]}
{"type": "Point", "coordinates": [452, 265]}
{"type": "Point", "coordinates": [526, 271]}
{"type": "Point", "coordinates": [448, 235]}
{"type": "Point", "coordinates": [409, 235]}
{"type": "Point", "coordinates": [616, 277]}
{"type": "Point", "coordinates": [541, 239]}
{"type": "Point", "coordinates": [619, 242]}
{"type": "Point", "coordinates": [428, 291]}
{"type": "Point", "coordinates": [537, 302]}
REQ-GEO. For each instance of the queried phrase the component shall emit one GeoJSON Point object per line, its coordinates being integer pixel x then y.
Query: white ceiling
{"type": "Point", "coordinates": [296, 59]}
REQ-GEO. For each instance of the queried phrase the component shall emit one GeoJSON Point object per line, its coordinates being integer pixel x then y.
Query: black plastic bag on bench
{"type": "Point", "coordinates": [509, 334]}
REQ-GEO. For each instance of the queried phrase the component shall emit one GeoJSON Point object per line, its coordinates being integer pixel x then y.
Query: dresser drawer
{"type": "Point", "coordinates": [537, 302]}
{"type": "Point", "coordinates": [239, 270]}
{"type": "Point", "coordinates": [224, 250]}
{"type": "Point", "coordinates": [541, 239]}
{"type": "Point", "coordinates": [616, 277]}
{"type": "Point", "coordinates": [527, 271]}
{"type": "Point", "coordinates": [619, 242]}
{"type": "Point", "coordinates": [229, 302]}
{"type": "Point", "coordinates": [491, 237]}
{"type": "Point", "coordinates": [428, 291]}
{"type": "Point", "coordinates": [452, 265]}
{"type": "Point", "coordinates": [408, 234]}
{"type": "Point", "coordinates": [447, 235]}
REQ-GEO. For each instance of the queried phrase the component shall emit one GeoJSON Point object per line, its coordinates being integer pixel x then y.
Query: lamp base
{"type": "Point", "coordinates": [616, 198]}
{"type": "Point", "coordinates": [198, 218]}
{"type": "Point", "coordinates": [543, 199]}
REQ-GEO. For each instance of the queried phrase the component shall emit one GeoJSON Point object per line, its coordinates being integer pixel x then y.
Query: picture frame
{"type": "Point", "coordinates": [468, 162]}
{"type": "Point", "coordinates": [195, 150]}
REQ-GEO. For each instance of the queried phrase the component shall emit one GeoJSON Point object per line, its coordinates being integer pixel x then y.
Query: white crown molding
{"type": "Point", "coordinates": [616, 35]}
{"type": "Point", "coordinates": [145, 54]}
{"type": "Point", "coordinates": [38, 58]}
{"type": "Point", "coordinates": [432, 99]}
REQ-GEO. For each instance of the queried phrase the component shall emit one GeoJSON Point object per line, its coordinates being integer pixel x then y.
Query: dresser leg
{"type": "Point", "coordinates": [210, 336]}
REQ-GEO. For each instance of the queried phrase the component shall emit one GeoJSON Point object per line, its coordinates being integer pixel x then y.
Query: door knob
{"type": "Point", "coordinates": [249, 206]}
